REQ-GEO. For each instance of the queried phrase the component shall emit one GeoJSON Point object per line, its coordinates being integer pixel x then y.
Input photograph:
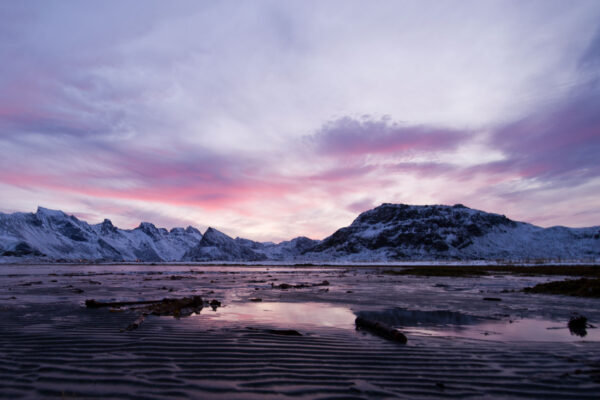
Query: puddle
{"type": "Point", "coordinates": [527, 329]}
{"type": "Point", "coordinates": [454, 324]}
{"type": "Point", "coordinates": [439, 323]}
{"type": "Point", "coordinates": [284, 314]}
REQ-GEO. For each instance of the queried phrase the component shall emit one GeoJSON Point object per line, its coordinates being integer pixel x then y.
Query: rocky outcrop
{"type": "Point", "coordinates": [405, 232]}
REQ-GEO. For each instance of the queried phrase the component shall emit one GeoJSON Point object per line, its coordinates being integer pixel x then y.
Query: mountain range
{"type": "Point", "coordinates": [390, 232]}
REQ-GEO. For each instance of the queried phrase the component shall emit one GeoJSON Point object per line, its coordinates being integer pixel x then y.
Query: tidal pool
{"type": "Point", "coordinates": [527, 329]}
{"type": "Point", "coordinates": [284, 314]}
{"type": "Point", "coordinates": [443, 323]}
{"type": "Point", "coordinates": [437, 323]}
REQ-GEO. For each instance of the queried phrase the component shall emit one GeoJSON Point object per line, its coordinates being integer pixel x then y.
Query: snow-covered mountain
{"type": "Point", "coordinates": [386, 233]}
{"type": "Point", "coordinates": [404, 232]}
{"type": "Point", "coordinates": [54, 235]}
{"type": "Point", "coordinates": [217, 246]}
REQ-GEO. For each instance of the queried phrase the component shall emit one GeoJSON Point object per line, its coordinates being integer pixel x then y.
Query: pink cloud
{"type": "Point", "coordinates": [557, 146]}
{"type": "Point", "coordinates": [340, 174]}
{"type": "Point", "coordinates": [361, 205]}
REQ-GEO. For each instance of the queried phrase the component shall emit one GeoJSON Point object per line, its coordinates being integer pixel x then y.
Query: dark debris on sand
{"type": "Point", "coordinates": [482, 270]}
{"type": "Point", "coordinates": [578, 325]}
{"type": "Point", "coordinates": [285, 286]}
{"type": "Point", "coordinates": [492, 299]}
{"type": "Point", "coordinates": [583, 287]}
{"type": "Point", "coordinates": [284, 332]}
{"type": "Point", "coordinates": [214, 304]}
{"type": "Point", "coordinates": [181, 307]}
{"type": "Point", "coordinates": [380, 329]}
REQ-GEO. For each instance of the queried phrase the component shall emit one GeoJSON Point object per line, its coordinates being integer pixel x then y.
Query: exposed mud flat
{"type": "Point", "coordinates": [299, 340]}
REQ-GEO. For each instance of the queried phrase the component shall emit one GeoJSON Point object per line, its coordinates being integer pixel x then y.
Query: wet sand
{"type": "Point", "coordinates": [459, 345]}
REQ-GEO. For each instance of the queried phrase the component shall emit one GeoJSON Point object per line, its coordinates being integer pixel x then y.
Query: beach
{"type": "Point", "coordinates": [289, 332]}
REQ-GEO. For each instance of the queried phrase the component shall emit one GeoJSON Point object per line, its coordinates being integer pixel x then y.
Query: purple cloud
{"type": "Point", "coordinates": [352, 137]}
{"type": "Point", "coordinates": [591, 57]}
{"type": "Point", "coordinates": [361, 205]}
{"type": "Point", "coordinates": [559, 145]}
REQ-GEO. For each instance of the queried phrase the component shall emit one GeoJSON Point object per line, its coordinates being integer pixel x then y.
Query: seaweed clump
{"type": "Point", "coordinates": [482, 270]}
{"type": "Point", "coordinates": [578, 325]}
{"type": "Point", "coordinates": [452, 271]}
{"type": "Point", "coordinates": [583, 287]}
{"type": "Point", "coordinates": [182, 307]}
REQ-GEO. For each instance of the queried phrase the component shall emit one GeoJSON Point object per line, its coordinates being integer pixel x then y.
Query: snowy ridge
{"type": "Point", "coordinates": [390, 232]}
{"type": "Point", "coordinates": [404, 232]}
{"type": "Point", "coordinates": [217, 246]}
{"type": "Point", "coordinates": [54, 235]}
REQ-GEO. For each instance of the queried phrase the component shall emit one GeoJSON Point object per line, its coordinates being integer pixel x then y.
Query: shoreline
{"type": "Point", "coordinates": [399, 264]}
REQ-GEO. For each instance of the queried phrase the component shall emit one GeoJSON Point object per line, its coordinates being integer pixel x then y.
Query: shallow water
{"type": "Point", "coordinates": [284, 315]}
{"type": "Point", "coordinates": [521, 330]}
{"type": "Point", "coordinates": [411, 322]}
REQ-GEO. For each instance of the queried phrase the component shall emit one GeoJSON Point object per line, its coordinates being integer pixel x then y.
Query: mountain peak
{"type": "Point", "coordinates": [41, 211]}
{"type": "Point", "coordinates": [216, 245]}
{"type": "Point", "coordinates": [191, 230]}
{"type": "Point", "coordinates": [148, 228]}
{"type": "Point", "coordinates": [213, 235]}
{"type": "Point", "coordinates": [107, 226]}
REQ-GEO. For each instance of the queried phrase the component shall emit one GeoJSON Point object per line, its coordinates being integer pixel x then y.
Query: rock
{"type": "Point", "coordinates": [284, 332]}
{"type": "Point", "coordinates": [577, 325]}
{"type": "Point", "coordinates": [135, 324]}
{"type": "Point", "coordinates": [380, 329]}
{"type": "Point", "coordinates": [91, 303]}
{"type": "Point", "coordinates": [285, 286]}
{"type": "Point", "coordinates": [182, 307]}
{"type": "Point", "coordinates": [214, 304]}
{"type": "Point", "coordinates": [583, 287]}
{"type": "Point", "coordinates": [175, 307]}
{"type": "Point", "coordinates": [31, 283]}
{"type": "Point", "coordinates": [492, 299]}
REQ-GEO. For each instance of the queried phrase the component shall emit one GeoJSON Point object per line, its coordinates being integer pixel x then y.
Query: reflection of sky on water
{"type": "Point", "coordinates": [444, 323]}
{"type": "Point", "coordinates": [449, 324]}
{"type": "Point", "coordinates": [285, 314]}
{"type": "Point", "coordinates": [527, 329]}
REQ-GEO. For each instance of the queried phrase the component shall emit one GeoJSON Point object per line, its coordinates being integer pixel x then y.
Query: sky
{"type": "Point", "coordinates": [274, 119]}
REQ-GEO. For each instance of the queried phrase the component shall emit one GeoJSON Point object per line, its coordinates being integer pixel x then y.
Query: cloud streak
{"type": "Point", "coordinates": [353, 137]}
